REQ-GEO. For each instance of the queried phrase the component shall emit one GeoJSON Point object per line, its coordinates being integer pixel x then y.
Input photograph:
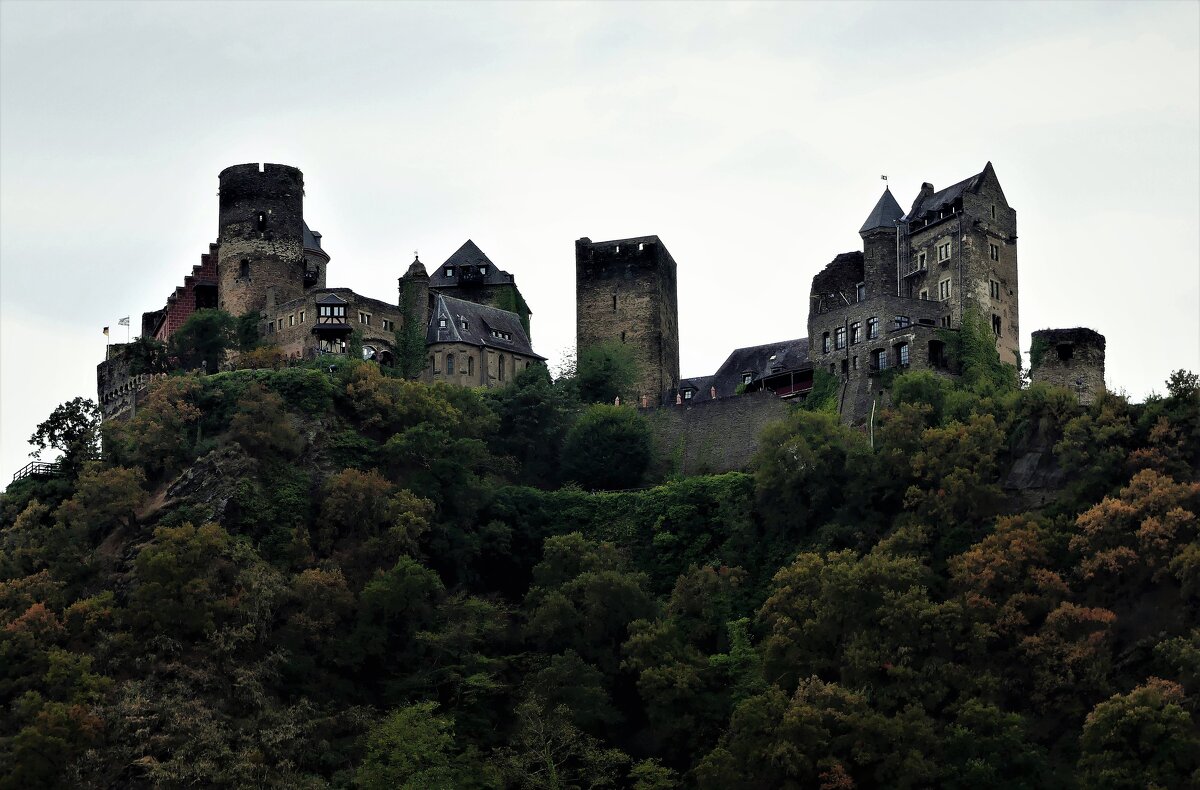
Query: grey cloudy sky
{"type": "Point", "coordinates": [750, 137]}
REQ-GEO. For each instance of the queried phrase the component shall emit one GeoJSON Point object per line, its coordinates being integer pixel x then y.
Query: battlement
{"type": "Point", "coordinates": [1070, 358]}
{"type": "Point", "coordinates": [636, 251]}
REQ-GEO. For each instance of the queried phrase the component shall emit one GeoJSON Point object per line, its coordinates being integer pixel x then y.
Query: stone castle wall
{"type": "Point", "coordinates": [712, 436]}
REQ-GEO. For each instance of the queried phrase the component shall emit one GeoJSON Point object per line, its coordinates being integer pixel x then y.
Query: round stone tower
{"type": "Point", "coordinates": [261, 259]}
{"type": "Point", "coordinates": [1070, 358]}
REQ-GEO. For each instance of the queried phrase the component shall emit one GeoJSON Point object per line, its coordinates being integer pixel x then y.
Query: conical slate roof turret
{"type": "Point", "coordinates": [417, 269]}
{"type": "Point", "coordinates": [885, 213]}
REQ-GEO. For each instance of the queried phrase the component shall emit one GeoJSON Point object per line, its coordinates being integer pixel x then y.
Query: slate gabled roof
{"type": "Point", "coordinates": [950, 194]}
{"type": "Point", "coordinates": [482, 321]}
{"type": "Point", "coordinates": [312, 239]}
{"type": "Point", "coordinates": [759, 361]}
{"type": "Point", "coordinates": [885, 213]}
{"type": "Point", "coordinates": [466, 256]}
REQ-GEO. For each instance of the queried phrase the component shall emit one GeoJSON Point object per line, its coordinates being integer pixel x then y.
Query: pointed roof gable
{"type": "Point", "coordinates": [465, 257]}
{"type": "Point", "coordinates": [468, 255]}
{"type": "Point", "coordinates": [885, 213]}
{"type": "Point", "coordinates": [945, 197]}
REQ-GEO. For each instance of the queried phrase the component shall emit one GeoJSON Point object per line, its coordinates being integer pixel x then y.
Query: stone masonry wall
{"type": "Point", "coordinates": [1070, 358]}
{"type": "Point", "coordinates": [262, 225]}
{"type": "Point", "coordinates": [626, 292]}
{"type": "Point", "coordinates": [712, 436]}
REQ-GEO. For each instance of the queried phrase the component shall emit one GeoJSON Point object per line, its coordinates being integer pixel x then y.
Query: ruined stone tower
{"type": "Point", "coordinates": [262, 258]}
{"type": "Point", "coordinates": [625, 291]}
{"type": "Point", "coordinates": [1070, 358]}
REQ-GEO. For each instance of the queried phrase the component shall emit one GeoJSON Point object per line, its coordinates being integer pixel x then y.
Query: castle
{"type": "Point", "coordinates": [953, 254]}
{"type": "Point", "coordinates": [919, 274]}
{"type": "Point", "coordinates": [269, 263]}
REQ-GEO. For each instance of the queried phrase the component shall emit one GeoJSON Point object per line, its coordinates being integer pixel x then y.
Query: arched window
{"type": "Point", "coordinates": [449, 364]}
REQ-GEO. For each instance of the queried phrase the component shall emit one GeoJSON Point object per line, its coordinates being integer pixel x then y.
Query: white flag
{"type": "Point", "coordinates": [124, 321]}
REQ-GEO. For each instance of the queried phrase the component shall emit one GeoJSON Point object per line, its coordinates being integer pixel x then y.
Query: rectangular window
{"type": "Point", "coordinates": [292, 319]}
{"type": "Point", "coordinates": [872, 328]}
{"type": "Point", "coordinates": [902, 321]}
{"type": "Point", "coordinates": [500, 367]}
{"type": "Point", "coordinates": [902, 354]}
{"type": "Point", "coordinates": [442, 323]}
{"type": "Point", "coordinates": [854, 363]}
{"type": "Point", "coordinates": [994, 290]}
{"type": "Point", "coordinates": [861, 291]}
{"type": "Point", "coordinates": [302, 316]}
{"type": "Point", "coordinates": [449, 271]}
{"type": "Point", "coordinates": [825, 343]}
{"type": "Point", "coordinates": [839, 341]}
{"type": "Point", "coordinates": [996, 325]}
{"type": "Point", "coordinates": [470, 366]}
{"type": "Point", "coordinates": [449, 364]}
{"type": "Point", "coordinates": [943, 290]}
{"type": "Point", "coordinates": [993, 212]}
{"type": "Point", "coordinates": [925, 293]}
{"type": "Point", "coordinates": [687, 394]}
{"type": "Point", "coordinates": [993, 252]}
{"type": "Point", "coordinates": [946, 321]}
{"type": "Point", "coordinates": [388, 325]}
{"type": "Point", "coordinates": [921, 263]}
{"type": "Point", "coordinates": [943, 251]}
{"type": "Point", "coordinates": [879, 359]}
{"type": "Point", "coordinates": [855, 332]}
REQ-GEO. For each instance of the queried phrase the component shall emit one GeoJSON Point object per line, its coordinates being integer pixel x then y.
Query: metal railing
{"type": "Point", "coordinates": [38, 469]}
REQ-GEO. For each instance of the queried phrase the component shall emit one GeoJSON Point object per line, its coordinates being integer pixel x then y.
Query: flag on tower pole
{"type": "Point", "coordinates": [125, 323]}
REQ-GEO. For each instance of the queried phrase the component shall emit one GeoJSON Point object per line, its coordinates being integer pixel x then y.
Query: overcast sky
{"type": "Point", "coordinates": [749, 137]}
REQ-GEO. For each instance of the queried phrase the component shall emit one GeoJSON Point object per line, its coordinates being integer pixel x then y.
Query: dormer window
{"type": "Point", "coordinates": [442, 323]}
{"type": "Point", "coordinates": [483, 270]}
{"type": "Point", "coordinates": [747, 378]}
{"type": "Point", "coordinates": [463, 323]}
{"type": "Point", "coordinates": [449, 271]}
{"type": "Point", "coordinates": [687, 394]}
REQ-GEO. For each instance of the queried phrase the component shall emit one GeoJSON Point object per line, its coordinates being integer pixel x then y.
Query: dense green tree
{"type": "Point", "coordinates": [411, 748]}
{"type": "Point", "coordinates": [607, 448]}
{"type": "Point", "coordinates": [1146, 738]}
{"type": "Point", "coordinates": [606, 371]}
{"type": "Point", "coordinates": [204, 339]}
{"type": "Point", "coordinates": [73, 428]}
{"type": "Point", "coordinates": [534, 416]}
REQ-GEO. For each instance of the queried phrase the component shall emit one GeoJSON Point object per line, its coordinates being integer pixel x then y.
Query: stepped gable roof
{"type": "Point", "coordinates": [477, 324]}
{"type": "Point", "coordinates": [760, 362]}
{"type": "Point", "coordinates": [885, 213]}
{"type": "Point", "coordinates": [312, 239]}
{"type": "Point", "coordinates": [466, 256]}
{"type": "Point", "coordinates": [948, 195]}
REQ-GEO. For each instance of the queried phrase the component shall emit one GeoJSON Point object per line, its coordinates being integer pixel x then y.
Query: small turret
{"type": "Point", "coordinates": [881, 247]}
{"type": "Point", "coordinates": [414, 293]}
